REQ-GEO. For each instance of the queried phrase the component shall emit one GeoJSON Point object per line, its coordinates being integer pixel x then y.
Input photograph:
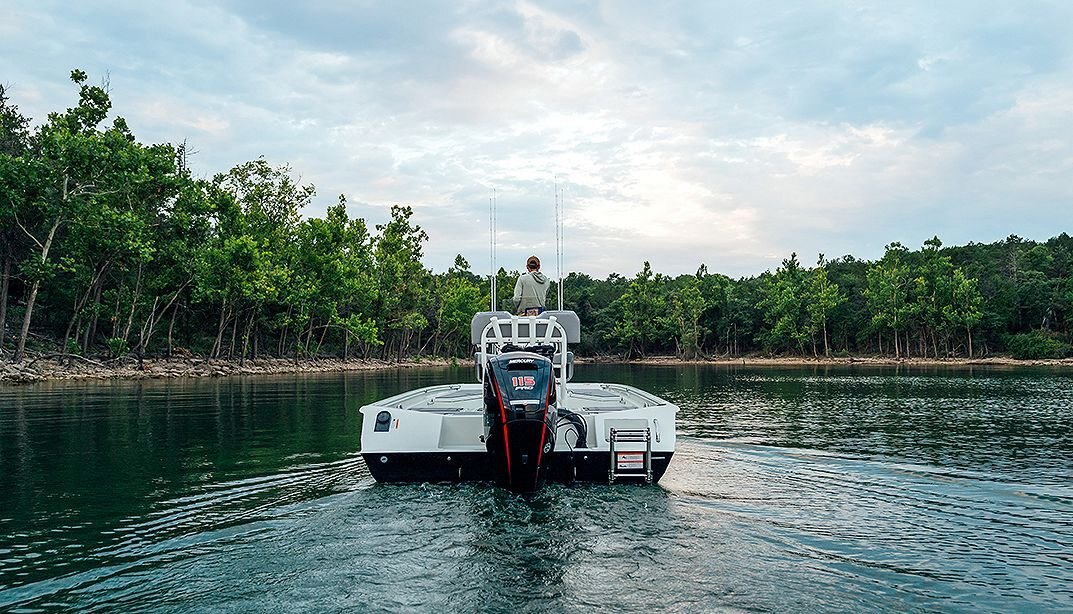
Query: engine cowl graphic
{"type": "Point", "coordinates": [519, 418]}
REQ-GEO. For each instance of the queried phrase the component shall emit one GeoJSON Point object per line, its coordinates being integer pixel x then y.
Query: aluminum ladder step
{"type": "Point", "coordinates": [632, 436]}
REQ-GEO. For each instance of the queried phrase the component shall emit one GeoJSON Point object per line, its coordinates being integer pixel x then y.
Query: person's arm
{"type": "Point", "coordinates": [518, 292]}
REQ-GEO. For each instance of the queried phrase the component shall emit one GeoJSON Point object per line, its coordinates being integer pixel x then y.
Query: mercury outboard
{"type": "Point", "coordinates": [520, 416]}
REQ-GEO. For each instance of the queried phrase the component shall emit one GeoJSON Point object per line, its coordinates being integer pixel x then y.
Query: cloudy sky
{"type": "Point", "coordinates": [723, 133]}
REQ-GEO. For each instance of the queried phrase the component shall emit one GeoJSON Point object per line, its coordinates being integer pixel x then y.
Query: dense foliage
{"type": "Point", "coordinates": [110, 246]}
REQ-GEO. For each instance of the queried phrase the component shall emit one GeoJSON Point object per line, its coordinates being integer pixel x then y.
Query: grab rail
{"type": "Point", "coordinates": [492, 336]}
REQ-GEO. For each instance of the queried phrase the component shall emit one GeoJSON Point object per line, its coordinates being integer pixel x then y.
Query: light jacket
{"type": "Point", "coordinates": [531, 290]}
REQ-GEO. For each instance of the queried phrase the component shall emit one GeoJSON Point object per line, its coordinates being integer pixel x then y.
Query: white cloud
{"type": "Point", "coordinates": [683, 134]}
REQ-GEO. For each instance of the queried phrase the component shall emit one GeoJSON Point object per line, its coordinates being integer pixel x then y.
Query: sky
{"type": "Point", "coordinates": [728, 134]}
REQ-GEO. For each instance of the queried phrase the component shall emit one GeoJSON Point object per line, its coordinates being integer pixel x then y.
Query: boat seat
{"type": "Point", "coordinates": [567, 319]}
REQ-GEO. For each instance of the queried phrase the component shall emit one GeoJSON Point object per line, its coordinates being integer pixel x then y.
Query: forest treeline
{"type": "Point", "coordinates": [111, 247]}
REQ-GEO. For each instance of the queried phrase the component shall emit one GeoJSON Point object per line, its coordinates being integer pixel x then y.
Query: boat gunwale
{"type": "Point", "coordinates": [625, 397]}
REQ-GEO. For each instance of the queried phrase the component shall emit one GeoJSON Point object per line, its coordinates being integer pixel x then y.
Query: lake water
{"type": "Point", "coordinates": [792, 489]}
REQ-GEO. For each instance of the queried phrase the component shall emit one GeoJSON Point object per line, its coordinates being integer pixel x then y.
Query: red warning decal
{"type": "Point", "coordinates": [630, 460]}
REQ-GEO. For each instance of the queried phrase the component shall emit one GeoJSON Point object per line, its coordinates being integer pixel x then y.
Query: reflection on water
{"type": "Point", "coordinates": [974, 419]}
{"type": "Point", "coordinates": [805, 489]}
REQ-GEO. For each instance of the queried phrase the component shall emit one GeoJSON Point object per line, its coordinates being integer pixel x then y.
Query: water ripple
{"type": "Point", "coordinates": [796, 490]}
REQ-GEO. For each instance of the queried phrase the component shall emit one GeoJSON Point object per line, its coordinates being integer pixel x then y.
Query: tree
{"type": "Point", "coordinates": [183, 225]}
{"type": "Point", "coordinates": [14, 144]}
{"type": "Point", "coordinates": [334, 273]}
{"type": "Point", "coordinates": [402, 277]}
{"type": "Point", "coordinates": [67, 164]}
{"type": "Point", "coordinates": [964, 308]}
{"type": "Point", "coordinates": [687, 307]}
{"type": "Point", "coordinates": [460, 297]}
{"type": "Point", "coordinates": [119, 230]}
{"type": "Point", "coordinates": [641, 312]}
{"type": "Point", "coordinates": [890, 283]}
{"type": "Point", "coordinates": [785, 306]}
{"type": "Point", "coordinates": [823, 297]}
{"type": "Point", "coordinates": [244, 266]}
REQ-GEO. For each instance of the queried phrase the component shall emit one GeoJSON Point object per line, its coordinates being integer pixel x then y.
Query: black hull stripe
{"type": "Point", "coordinates": [581, 466]}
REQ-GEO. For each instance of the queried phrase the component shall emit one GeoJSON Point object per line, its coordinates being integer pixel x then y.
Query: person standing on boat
{"type": "Point", "coordinates": [531, 289]}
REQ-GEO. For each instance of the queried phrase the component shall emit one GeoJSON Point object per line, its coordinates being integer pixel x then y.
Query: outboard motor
{"type": "Point", "coordinates": [520, 417]}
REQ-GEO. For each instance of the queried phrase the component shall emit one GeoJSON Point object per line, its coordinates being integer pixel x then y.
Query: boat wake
{"type": "Point", "coordinates": [882, 530]}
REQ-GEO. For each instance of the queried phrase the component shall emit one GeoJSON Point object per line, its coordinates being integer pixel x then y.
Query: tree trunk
{"type": "Point", "coordinates": [309, 336]}
{"type": "Point", "coordinates": [79, 303]}
{"type": "Point", "coordinates": [91, 330]}
{"type": "Point", "coordinates": [234, 334]}
{"type": "Point", "coordinates": [149, 327]}
{"type": "Point", "coordinates": [826, 347]}
{"type": "Point", "coordinates": [133, 303]}
{"type": "Point", "coordinates": [968, 333]}
{"type": "Point", "coordinates": [217, 346]}
{"type": "Point", "coordinates": [20, 349]}
{"type": "Point", "coordinates": [283, 333]}
{"type": "Point", "coordinates": [98, 274]}
{"type": "Point", "coordinates": [246, 336]}
{"type": "Point", "coordinates": [115, 315]}
{"type": "Point", "coordinates": [77, 332]}
{"type": "Point", "coordinates": [3, 290]}
{"type": "Point", "coordinates": [320, 341]}
{"type": "Point", "coordinates": [171, 327]}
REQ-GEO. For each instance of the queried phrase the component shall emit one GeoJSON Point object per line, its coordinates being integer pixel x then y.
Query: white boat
{"type": "Point", "coordinates": [524, 421]}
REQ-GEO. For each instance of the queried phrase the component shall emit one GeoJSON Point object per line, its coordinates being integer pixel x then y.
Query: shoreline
{"type": "Point", "coordinates": [854, 361]}
{"type": "Point", "coordinates": [51, 369]}
{"type": "Point", "coordinates": [46, 370]}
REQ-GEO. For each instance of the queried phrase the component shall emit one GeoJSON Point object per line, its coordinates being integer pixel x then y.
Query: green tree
{"type": "Point", "coordinates": [890, 286]}
{"type": "Point", "coordinates": [398, 250]}
{"type": "Point", "coordinates": [460, 297]}
{"type": "Point", "coordinates": [822, 298]}
{"type": "Point", "coordinates": [120, 230]}
{"type": "Point", "coordinates": [334, 275]}
{"type": "Point", "coordinates": [182, 227]}
{"type": "Point", "coordinates": [785, 307]}
{"type": "Point", "coordinates": [640, 311]}
{"type": "Point", "coordinates": [244, 266]}
{"type": "Point", "coordinates": [67, 166]}
{"type": "Point", "coordinates": [963, 311]}
{"type": "Point", "coordinates": [14, 145]}
{"type": "Point", "coordinates": [687, 308]}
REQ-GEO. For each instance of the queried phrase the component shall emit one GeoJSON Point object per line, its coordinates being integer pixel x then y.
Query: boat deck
{"type": "Point", "coordinates": [469, 398]}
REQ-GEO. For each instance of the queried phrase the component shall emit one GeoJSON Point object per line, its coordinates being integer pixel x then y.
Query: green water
{"type": "Point", "coordinates": [792, 489]}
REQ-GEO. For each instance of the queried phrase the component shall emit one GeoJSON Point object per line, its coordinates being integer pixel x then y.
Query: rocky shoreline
{"type": "Point", "coordinates": [77, 368]}
{"type": "Point", "coordinates": [50, 369]}
{"type": "Point", "coordinates": [877, 361]}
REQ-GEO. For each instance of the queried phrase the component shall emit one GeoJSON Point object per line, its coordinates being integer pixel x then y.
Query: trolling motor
{"type": "Point", "coordinates": [520, 416]}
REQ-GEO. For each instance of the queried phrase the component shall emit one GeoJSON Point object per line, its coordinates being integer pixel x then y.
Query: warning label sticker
{"type": "Point", "coordinates": [630, 460]}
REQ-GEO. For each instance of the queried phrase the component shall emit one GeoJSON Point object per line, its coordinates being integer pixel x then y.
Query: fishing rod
{"type": "Point", "coordinates": [492, 281]}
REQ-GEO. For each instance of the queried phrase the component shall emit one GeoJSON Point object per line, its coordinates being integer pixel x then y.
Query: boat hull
{"type": "Point", "coordinates": [441, 434]}
{"type": "Point", "coordinates": [563, 467]}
